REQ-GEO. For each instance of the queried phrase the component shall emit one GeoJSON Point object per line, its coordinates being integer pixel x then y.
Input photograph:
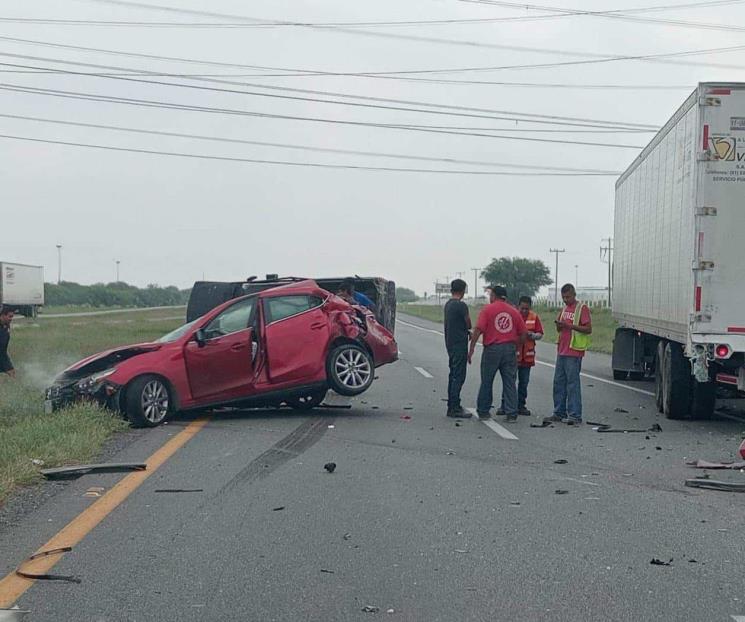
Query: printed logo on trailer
{"type": "Point", "coordinates": [503, 322]}
{"type": "Point", "coordinates": [724, 148]}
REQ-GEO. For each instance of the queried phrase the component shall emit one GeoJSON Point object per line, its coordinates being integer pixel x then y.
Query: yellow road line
{"type": "Point", "coordinates": [13, 586]}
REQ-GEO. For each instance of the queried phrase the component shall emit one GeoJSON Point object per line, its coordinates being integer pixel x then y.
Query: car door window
{"type": "Point", "coordinates": [283, 307]}
{"type": "Point", "coordinates": [233, 319]}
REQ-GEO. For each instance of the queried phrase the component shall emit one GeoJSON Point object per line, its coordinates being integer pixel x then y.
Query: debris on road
{"type": "Point", "coordinates": [620, 410]}
{"type": "Point", "coordinates": [347, 536]}
{"type": "Point", "coordinates": [37, 462]}
{"type": "Point", "coordinates": [331, 427]}
{"type": "Point", "coordinates": [179, 490]}
{"type": "Point", "coordinates": [327, 571]}
{"type": "Point", "coordinates": [278, 509]}
{"type": "Point", "coordinates": [408, 408]}
{"type": "Point", "coordinates": [704, 464]}
{"type": "Point", "coordinates": [606, 427]}
{"type": "Point", "coordinates": [94, 491]}
{"type": "Point", "coordinates": [46, 577]}
{"type": "Point", "coordinates": [70, 472]}
{"type": "Point", "coordinates": [561, 461]}
{"type": "Point", "coordinates": [391, 611]}
{"type": "Point", "coordinates": [339, 406]}
{"type": "Point", "coordinates": [405, 417]}
{"type": "Point", "coordinates": [543, 424]}
{"type": "Point", "coordinates": [449, 452]}
{"type": "Point", "coordinates": [330, 466]}
{"type": "Point", "coordinates": [659, 562]}
{"type": "Point", "coordinates": [561, 491]}
{"type": "Point", "coordinates": [11, 615]}
{"type": "Point", "coordinates": [370, 609]}
{"type": "Point", "coordinates": [713, 484]}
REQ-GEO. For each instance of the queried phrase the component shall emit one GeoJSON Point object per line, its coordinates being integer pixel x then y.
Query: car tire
{"type": "Point", "coordinates": [307, 402]}
{"type": "Point", "coordinates": [350, 369]}
{"type": "Point", "coordinates": [676, 383]}
{"type": "Point", "coordinates": [619, 375]}
{"type": "Point", "coordinates": [148, 402]}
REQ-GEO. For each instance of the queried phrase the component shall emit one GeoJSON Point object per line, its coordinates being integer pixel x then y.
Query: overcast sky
{"type": "Point", "coordinates": [171, 220]}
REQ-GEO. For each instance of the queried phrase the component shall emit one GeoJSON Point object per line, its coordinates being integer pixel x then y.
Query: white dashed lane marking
{"type": "Point", "coordinates": [494, 426]}
{"type": "Point", "coordinates": [424, 372]}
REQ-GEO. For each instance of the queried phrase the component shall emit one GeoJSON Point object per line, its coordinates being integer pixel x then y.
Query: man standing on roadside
{"type": "Point", "coordinates": [6, 317]}
{"type": "Point", "coordinates": [574, 325]}
{"type": "Point", "coordinates": [457, 331]}
{"type": "Point", "coordinates": [504, 331]}
{"type": "Point", "coordinates": [526, 354]}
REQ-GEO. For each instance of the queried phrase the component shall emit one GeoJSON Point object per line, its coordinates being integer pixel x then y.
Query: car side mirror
{"type": "Point", "coordinates": [200, 337]}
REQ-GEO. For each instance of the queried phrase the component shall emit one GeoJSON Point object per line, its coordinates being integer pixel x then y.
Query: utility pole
{"type": "Point", "coordinates": [59, 263]}
{"type": "Point", "coordinates": [117, 270]}
{"type": "Point", "coordinates": [475, 282]}
{"type": "Point", "coordinates": [556, 251]}
{"type": "Point", "coordinates": [606, 255]}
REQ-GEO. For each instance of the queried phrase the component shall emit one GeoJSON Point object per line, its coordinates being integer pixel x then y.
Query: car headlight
{"type": "Point", "coordinates": [92, 382]}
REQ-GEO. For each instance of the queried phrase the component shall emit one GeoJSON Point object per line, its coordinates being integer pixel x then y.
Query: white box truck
{"type": "Point", "coordinates": [679, 272]}
{"type": "Point", "coordinates": [22, 287]}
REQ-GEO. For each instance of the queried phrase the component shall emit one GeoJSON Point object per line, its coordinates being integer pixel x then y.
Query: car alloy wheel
{"type": "Point", "coordinates": [353, 368]}
{"type": "Point", "coordinates": [154, 401]}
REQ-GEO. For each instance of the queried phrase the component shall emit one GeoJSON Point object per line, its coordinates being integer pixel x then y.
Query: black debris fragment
{"type": "Point", "coordinates": [330, 466]}
{"type": "Point", "coordinates": [693, 561]}
{"type": "Point", "coordinates": [179, 490]}
{"type": "Point", "coordinates": [408, 408]}
{"type": "Point", "coordinates": [713, 484]}
{"type": "Point", "coordinates": [620, 410]}
{"type": "Point", "coordinates": [561, 491]}
{"type": "Point", "coordinates": [47, 577]}
{"type": "Point", "coordinates": [457, 424]}
{"type": "Point", "coordinates": [278, 509]}
{"type": "Point", "coordinates": [655, 428]}
{"type": "Point", "coordinates": [659, 562]}
{"type": "Point", "coordinates": [658, 448]}
{"type": "Point", "coordinates": [339, 406]}
{"type": "Point", "coordinates": [70, 472]}
{"type": "Point", "coordinates": [561, 461]}
{"type": "Point", "coordinates": [327, 571]}
{"type": "Point", "coordinates": [370, 609]}
{"type": "Point", "coordinates": [347, 536]}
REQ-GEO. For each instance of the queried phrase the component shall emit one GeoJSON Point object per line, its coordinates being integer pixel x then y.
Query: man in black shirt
{"type": "Point", "coordinates": [6, 317]}
{"type": "Point", "coordinates": [457, 333]}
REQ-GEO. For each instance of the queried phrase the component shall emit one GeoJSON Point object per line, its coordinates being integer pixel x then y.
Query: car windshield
{"type": "Point", "coordinates": [176, 334]}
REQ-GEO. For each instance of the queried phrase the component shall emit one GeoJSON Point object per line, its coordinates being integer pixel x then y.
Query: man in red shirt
{"type": "Point", "coordinates": [504, 331]}
{"type": "Point", "coordinates": [567, 391]}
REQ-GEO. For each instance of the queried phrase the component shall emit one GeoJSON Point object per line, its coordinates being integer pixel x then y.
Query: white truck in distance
{"type": "Point", "coordinates": [22, 287]}
{"type": "Point", "coordinates": [679, 273]}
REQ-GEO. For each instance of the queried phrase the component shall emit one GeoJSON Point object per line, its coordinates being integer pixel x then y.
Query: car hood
{"type": "Point", "coordinates": [104, 360]}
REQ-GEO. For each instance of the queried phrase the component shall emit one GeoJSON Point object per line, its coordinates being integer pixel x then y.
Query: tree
{"type": "Point", "coordinates": [404, 294]}
{"type": "Point", "coordinates": [521, 276]}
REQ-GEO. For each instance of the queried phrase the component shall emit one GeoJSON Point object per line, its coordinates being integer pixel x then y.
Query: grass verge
{"type": "Point", "coordinates": [40, 350]}
{"type": "Point", "coordinates": [603, 324]}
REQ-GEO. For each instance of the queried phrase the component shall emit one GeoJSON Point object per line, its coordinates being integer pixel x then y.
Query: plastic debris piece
{"type": "Point", "coordinates": [561, 491]}
{"type": "Point", "coordinates": [82, 469]}
{"type": "Point", "coordinates": [704, 464]}
{"type": "Point", "coordinates": [339, 406]}
{"type": "Point", "coordinates": [659, 562]}
{"type": "Point", "coordinates": [713, 484]}
{"type": "Point", "coordinates": [461, 551]}
{"type": "Point", "coordinates": [561, 461]}
{"type": "Point", "coordinates": [408, 408]}
{"type": "Point", "coordinates": [331, 427]}
{"type": "Point", "coordinates": [278, 509]}
{"type": "Point", "coordinates": [449, 453]}
{"type": "Point", "coordinates": [405, 417]}
{"type": "Point", "coordinates": [46, 577]}
{"type": "Point", "coordinates": [347, 536]}
{"type": "Point", "coordinates": [620, 410]}
{"type": "Point", "coordinates": [37, 462]}
{"type": "Point", "coordinates": [370, 609]}
{"type": "Point", "coordinates": [11, 615]}
{"type": "Point", "coordinates": [179, 490]}
{"type": "Point", "coordinates": [327, 571]}
{"type": "Point", "coordinates": [330, 466]}
{"type": "Point", "coordinates": [389, 611]}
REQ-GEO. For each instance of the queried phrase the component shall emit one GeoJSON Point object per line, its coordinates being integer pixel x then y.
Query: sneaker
{"type": "Point", "coordinates": [511, 418]}
{"type": "Point", "coordinates": [500, 412]}
{"type": "Point", "coordinates": [573, 421]}
{"type": "Point", "coordinates": [524, 411]}
{"type": "Point", "coordinates": [458, 413]}
{"type": "Point", "coordinates": [483, 415]}
{"type": "Point", "coordinates": [554, 419]}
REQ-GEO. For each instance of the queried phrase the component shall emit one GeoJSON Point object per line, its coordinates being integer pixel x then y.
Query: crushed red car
{"type": "Point", "coordinates": [285, 345]}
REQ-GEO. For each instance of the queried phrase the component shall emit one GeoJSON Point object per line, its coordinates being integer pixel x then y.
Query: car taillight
{"type": "Point", "coordinates": [722, 351]}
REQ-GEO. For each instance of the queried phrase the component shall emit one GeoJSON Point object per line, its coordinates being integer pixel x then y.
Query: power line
{"type": "Point", "coordinates": [220, 139]}
{"type": "Point", "coordinates": [298, 164]}
{"type": "Point", "coordinates": [249, 113]}
{"type": "Point", "coordinates": [460, 111]}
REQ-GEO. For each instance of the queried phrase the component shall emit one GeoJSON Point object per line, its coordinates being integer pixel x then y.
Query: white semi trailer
{"type": "Point", "coordinates": [22, 287]}
{"type": "Point", "coordinates": [679, 273]}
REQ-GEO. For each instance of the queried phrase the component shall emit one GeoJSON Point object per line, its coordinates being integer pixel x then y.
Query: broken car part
{"type": "Point", "coordinates": [46, 577]}
{"type": "Point", "coordinates": [659, 562]}
{"type": "Point", "coordinates": [70, 472]}
{"type": "Point", "coordinates": [330, 466]}
{"type": "Point", "coordinates": [713, 484]}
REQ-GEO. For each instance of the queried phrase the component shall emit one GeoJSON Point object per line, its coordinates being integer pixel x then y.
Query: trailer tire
{"type": "Point", "coordinates": [676, 383]}
{"type": "Point", "coordinates": [703, 399]}
{"type": "Point", "coordinates": [658, 389]}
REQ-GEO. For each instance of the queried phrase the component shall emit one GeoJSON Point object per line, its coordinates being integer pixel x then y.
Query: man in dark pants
{"type": "Point", "coordinates": [504, 331]}
{"type": "Point", "coordinates": [6, 317]}
{"type": "Point", "coordinates": [457, 331]}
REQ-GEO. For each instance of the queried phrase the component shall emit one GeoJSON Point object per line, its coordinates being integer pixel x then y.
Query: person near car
{"type": "Point", "coordinates": [574, 325]}
{"type": "Point", "coordinates": [6, 317]}
{"type": "Point", "coordinates": [348, 292]}
{"type": "Point", "coordinates": [503, 331]}
{"type": "Point", "coordinates": [526, 354]}
{"type": "Point", "coordinates": [457, 331]}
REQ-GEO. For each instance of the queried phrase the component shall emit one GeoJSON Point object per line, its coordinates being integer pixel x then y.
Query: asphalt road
{"type": "Point", "coordinates": [424, 518]}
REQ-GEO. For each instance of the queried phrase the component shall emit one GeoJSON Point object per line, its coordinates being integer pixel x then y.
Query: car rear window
{"type": "Point", "coordinates": [282, 307]}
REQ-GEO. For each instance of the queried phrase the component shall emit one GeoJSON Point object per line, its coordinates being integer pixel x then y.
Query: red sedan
{"type": "Point", "coordinates": [285, 345]}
